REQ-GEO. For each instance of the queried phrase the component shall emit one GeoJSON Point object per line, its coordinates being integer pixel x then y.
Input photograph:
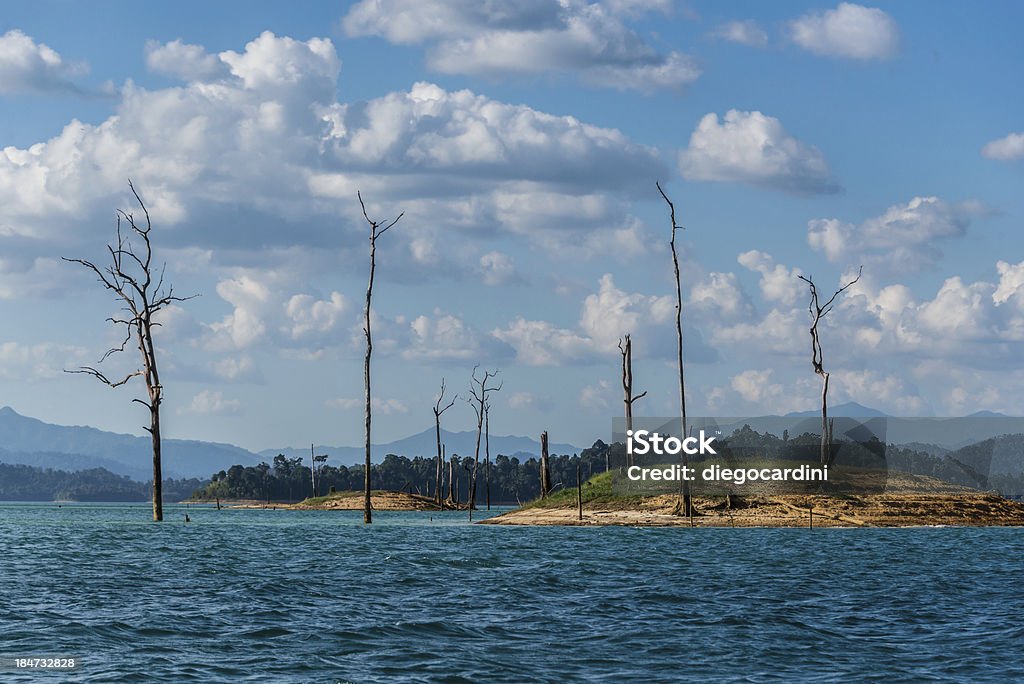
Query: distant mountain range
{"type": "Point", "coordinates": [425, 444]}
{"type": "Point", "coordinates": [32, 442]}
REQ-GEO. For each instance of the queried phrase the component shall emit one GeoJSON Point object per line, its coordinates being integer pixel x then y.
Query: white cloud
{"type": "Point", "coordinates": [521, 400]}
{"type": "Point", "coordinates": [245, 325]}
{"type": "Point", "coordinates": [235, 368]}
{"type": "Point", "coordinates": [595, 397]}
{"type": "Point", "coordinates": [184, 61]}
{"type": "Point", "coordinates": [310, 317]}
{"type": "Point", "coordinates": [40, 361]}
{"type": "Point", "coordinates": [605, 316]}
{"type": "Point", "coordinates": [905, 236]}
{"type": "Point", "coordinates": [1010, 148]}
{"type": "Point", "coordinates": [213, 403]}
{"type": "Point", "coordinates": [778, 283]}
{"type": "Point", "coordinates": [591, 40]}
{"type": "Point", "coordinates": [750, 147]}
{"type": "Point", "coordinates": [385, 407]}
{"type": "Point", "coordinates": [28, 66]}
{"type": "Point", "coordinates": [498, 268]}
{"type": "Point", "coordinates": [747, 32]}
{"type": "Point", "coordinates": [540, 343]}
{"type": "Point", "coordinates": [849, 30]}
{"type": "Point", "coordinates": [722, 296]}
{"type": "Point", "coordinates": [443, 337]}
{"type": "Point", "coordinates": [264, 124]}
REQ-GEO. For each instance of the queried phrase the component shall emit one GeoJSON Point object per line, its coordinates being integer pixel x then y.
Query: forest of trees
{"type": "Point", "coordinates": [514, 480]}
{"type": "Point", "coordinates": [29, 483]}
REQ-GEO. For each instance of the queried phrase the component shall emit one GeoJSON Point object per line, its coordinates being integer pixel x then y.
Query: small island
{"type": "Point", "coordinates": [909, 501]}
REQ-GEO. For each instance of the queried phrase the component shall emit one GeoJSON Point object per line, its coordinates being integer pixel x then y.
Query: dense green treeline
{"type": "Point", "coordinates": [29, 483]}
{"type": "Point", "coordinates": [511, 479]}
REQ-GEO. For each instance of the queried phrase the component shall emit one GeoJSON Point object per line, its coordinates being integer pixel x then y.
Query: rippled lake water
{"type": "Point", "coordinates": [311, 596]}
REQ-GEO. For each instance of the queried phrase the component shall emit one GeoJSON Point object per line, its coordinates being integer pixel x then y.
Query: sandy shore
{"type": "Point", "coordinates": [875, 510]}
{"type": "Point", "coordinates": [346, 501]}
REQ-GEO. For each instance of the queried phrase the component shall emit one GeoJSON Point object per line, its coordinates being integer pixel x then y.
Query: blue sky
{"type": "Point", "coordinates": [522, 142]}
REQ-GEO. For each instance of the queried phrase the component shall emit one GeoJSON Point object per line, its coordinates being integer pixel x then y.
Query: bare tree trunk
{"type": "Point", "coordinates": [139, 285]}
{"type": "Point", "coordinates": [479, 391]}
{"type": "Point", "coordinates": [312, 468]}
{"type": "Point", "coordinates": [158, 481]}
{"type": "Point", "coordinates": [437, 479]}
{"type": "Point", "coordinates": [817, 312]}
{"type": "Point", "coordinates": [487, 451]}
{"type": "Point", "coordinates": [451, 479]}
{"type": "Point", "coordinates": [627, 387]}
{"type": "Point", "coordinates": [367, 510]}
{"type": "Point", "coordinates": [376, 230]}
{"type": "Point", "coordinates": [685, 503]}
{"type": "Point", "coordinates": [579, 491]}
{"type": "Point", "coordinates": [826, 438]}
{"type": "Point", "coordinates": [545, 474]}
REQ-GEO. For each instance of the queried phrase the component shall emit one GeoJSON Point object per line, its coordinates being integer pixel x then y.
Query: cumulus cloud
{"type": "Point", "coordinates": [184, 61]}
{"type": "Point", "coordinates": [382, 406]}
{"type": "Point", "coordinates": [721, 295]}
{"type": "Point", "coordinates": [213, 403]}
{"type": "Point", "coordinates": [1010, 148]}
{"type": "Point", "coordinates": [750, 147]}
{"type": "Point", "coordinates": [605, 316]}
{"type": "Point", "coordinates": [905, 236]}
{"type": "Point", "coordinates": [747, 32]}
{"type": "Point", "coordinates": [850, 31]}
{"type": "Point", "coordinates": [778, 283]}
{"type": "Point", "coordinates": [265, 124]}
{"type": "Point", "coordinates": [596, 397]}
{"type": "Point", "coordinates": [39, 361]}
{"type": "Point", "coordinates": [535, 37]}
{"type": "Point", "coordinates": [498, 268]}
{"type": "Point", "coordinates": [28, 66]}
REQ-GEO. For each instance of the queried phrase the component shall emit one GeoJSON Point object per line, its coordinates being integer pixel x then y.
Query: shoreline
{"type": "Point", "coordinates": [875, 510]}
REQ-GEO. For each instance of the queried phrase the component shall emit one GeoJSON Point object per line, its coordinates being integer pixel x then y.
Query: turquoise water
{"type": "Point", "coordinates": [289, 596]}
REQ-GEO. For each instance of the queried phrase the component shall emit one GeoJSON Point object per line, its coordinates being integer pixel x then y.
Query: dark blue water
{"type": "Point", "coordinates": [288, 596]}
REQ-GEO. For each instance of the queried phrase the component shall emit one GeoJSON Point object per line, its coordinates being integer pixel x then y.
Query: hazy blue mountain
{"type": "Point", "coordinates": [425, 444]}
{"type": "Point", "coordinates": [32, 442]}
{"type": "Point", "coordinates": [850, 409]}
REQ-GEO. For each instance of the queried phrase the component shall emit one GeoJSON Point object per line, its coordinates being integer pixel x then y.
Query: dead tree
{"type": "Point", "coordinates": [545, 472]}
{"type": "Point", "coordinates": [818, 311]}
{"type": "Point", "coordinates": [479, 392]}
{"type": "Point", "coordinates": [487, 452]}
{"type": "Point", "coordinates": [377, 228]}
{"type": "Point", "coordinates": [438, 410]}
{"type": "Point", "coordinates": [139, 287]}
{"type": "Point", "coordinates": [451, 480]}
{"type": "Point", "coordinates": [312, 469]}
{"type": "Point", "coordinates": [685, 505]}
{"type": "Point", "coordinates": [626, 349]}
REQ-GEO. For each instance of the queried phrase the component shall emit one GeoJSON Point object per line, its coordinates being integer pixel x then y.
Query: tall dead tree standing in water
{"type": "Point", "coordinates": [139, 288]}
{"type": "Point", "coordinates": [818, 311]}
{"type": "Point", "coordinates": [626, 349]}
{"type": "Point", "coordinates": [377, 228]}
{"type": "Point", "coordinates": [438, 410]}
{"type": "Point", "coordinates": [545, 471]}
{"type": "Point", "coordinates": [487, 453]}
{"type": "Point", "coordinates": [479, 392]}
{"type": "Point", "coordinates": [685, 505]}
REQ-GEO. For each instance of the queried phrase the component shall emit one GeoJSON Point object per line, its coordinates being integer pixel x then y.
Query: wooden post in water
{"type": "Point", "coordinates": [579, 490]}
{"type": "Point", "coordinates": [810, 517]}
